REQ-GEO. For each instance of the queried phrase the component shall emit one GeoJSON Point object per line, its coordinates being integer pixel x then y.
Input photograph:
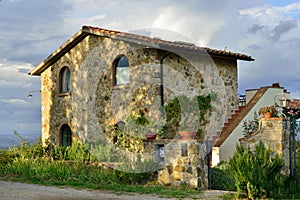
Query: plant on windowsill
{"type": "Point", "coordinates": [268, 111]}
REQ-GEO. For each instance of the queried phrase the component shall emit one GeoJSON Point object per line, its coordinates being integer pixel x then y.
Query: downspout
{"type": "Point", "coordinates": [162, 79]}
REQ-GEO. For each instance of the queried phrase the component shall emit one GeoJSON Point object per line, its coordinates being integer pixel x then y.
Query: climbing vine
{"type": "Point", "coordinates": [174, 114]}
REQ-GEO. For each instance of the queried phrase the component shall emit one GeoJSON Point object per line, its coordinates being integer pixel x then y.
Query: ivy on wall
{"type": "Point", "coordinates": [174, 114]}
{"type": "Point", "coordinates": [131, 135]}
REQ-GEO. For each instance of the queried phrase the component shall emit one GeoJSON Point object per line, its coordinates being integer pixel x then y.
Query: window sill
{"type": "Point", "coordinates": [121, 87]}
{"type": "Point", "coordinates": [64, 94]}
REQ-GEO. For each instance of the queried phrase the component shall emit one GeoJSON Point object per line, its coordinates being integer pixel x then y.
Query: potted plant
{"type": "Point", "coordinates": [186, 116]}
{"type": "Point", "coordinates": [142, 126]}
{"type": "Point", "coordinates": [268, 111]}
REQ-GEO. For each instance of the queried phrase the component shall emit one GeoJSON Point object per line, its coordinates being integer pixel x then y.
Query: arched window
{"type": "Point", "coordinates": [64, 80]}
{"type": "Point", "coordinates": [65, 135]}
{"type": "Point", "coordinates": [121, 70]}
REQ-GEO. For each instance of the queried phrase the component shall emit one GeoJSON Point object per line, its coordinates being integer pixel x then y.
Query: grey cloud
{"type": "Point", "coordinates": [31, 50]}
{"type": "Point", "coordinates": [254, 47]}
{"type": "Point", "coordinates": [255, 28]}
{"type": "Point", "coordinates": [282, 27]}
{"type": "Point", "coordinates": [24, 23]}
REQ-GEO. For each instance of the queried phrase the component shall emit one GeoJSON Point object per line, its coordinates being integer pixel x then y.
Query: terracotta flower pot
{"type": "Point", "coordinates": [188, 135]}
{"type": "Point", "coordinates": [267, 115]}
{"type": "Point", "coordinates": [151, 136]}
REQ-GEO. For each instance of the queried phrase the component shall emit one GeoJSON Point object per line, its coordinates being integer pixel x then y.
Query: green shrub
{"type": "Point", "coordinates": [256, 173]}
{"type": "Point", "coordinates": [72, 165]}
{"type": "Point", "coordinates": [105, 153]}
{"type": "Point", "coordinates": [129, 142]}
{"type": "Point", "coordinates": [27, 149]}
{"type": "Point", "coordinates": [6, 157]}
{"type": "Point", "coordinates": [222, 180]}
{"type": "Point", "coordinates": [77, 152]}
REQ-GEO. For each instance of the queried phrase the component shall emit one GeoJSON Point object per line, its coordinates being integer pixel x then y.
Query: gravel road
{"type": "Point", "coordinates": [22, 191]}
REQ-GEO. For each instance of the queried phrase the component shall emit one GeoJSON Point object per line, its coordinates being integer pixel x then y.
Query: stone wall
{"type": "Point", "coordinates": [274, 133]}
{"type": "Point", "coordinates": [94, 104]}
{"type": "Point", "coordinates": [183, 162]}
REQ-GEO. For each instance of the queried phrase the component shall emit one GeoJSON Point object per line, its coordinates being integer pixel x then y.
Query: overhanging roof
{"type": "Point", "coordinates": [133, 38]}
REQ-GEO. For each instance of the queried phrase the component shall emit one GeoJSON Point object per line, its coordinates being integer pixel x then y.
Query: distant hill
{"type": "Point", "coordinates": [10, 140]}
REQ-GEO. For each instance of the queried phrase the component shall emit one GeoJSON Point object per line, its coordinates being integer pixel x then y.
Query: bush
{"type": "Point", "coordinates": [221, 180]}
{"type": "Point", "coordinates": [77, 152]}
{"type": "Point", "coordinates": [256, 173]}
{"type": "Point", "coordinates": [6, 157]}
{"type": "Point", "coordinates": [106, 153]}
{"type": "Point", "coordinates": [72, 165]}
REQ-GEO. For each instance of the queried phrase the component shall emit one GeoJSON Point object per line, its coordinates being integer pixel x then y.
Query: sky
{"type": "Point", "coordinates": [30, 30]}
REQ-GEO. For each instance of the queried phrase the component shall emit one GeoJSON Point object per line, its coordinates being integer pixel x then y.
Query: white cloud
{"type": "Point", "coordinates": [15, 75]}
{"type": "Point", "coordinates": [29, 33]}
{"type": "Point", "coordinates": [15, 101]}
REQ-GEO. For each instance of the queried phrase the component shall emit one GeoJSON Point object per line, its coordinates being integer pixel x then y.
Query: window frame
{"type": "Point", "coordinates": [62, 137]}
{"type": "Point", "coordinates": [114, 71]}
{"type": "Point", "coordinates": [64, 81]}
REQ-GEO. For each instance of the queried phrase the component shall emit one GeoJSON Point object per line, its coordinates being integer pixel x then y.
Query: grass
{"type": "Point", "coordinates": [41, 165]}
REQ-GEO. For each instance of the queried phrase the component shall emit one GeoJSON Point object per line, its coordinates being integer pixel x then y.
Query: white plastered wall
{"type": "Point", "coordinates": [227, 149]}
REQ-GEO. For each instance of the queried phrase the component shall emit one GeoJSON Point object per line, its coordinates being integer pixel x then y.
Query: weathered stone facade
{"type": "Point", "coordinates": [274, 133]}
{"type": "Point", "coordinates": [93, 104]}
{"type": "Point", "coordinates": [183, 162]}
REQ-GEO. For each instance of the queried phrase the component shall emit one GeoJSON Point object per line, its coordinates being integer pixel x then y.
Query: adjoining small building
{"type": "Point", "coordinates": [273, 132]}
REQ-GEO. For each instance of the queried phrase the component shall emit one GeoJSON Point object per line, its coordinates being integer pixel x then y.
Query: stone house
{"type": "Point", "coordinates": [98, 77]}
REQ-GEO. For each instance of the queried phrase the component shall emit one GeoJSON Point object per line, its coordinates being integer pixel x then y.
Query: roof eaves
{"type": "Point", "coordinates": [128, 37]}
{"type": "Point", "coordinates": [65, 47]}
{"type": "Point", "coordinates": [148, 42]}
{"type": "Point", "coordinates": [164, 44]}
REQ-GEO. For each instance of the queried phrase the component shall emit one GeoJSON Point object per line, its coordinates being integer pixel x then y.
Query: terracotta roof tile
{"type": "Point", "coordinates": [138, 39]}
{"type": "Point", "coordinates": [294, 103]}
{"type": "Point", "coordinates": [157, 41]}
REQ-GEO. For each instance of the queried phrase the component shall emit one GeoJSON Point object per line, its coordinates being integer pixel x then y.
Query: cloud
{"type": "Point", "coordinates": [15, 102]}
{"type": "Point", "coordinates": [255, 28]}
{"type": "Point", "coordinates": [272, 37]}
{"type": "Point", "coordinates": [283, 27]}
{"type": "Point", "coordinates": [15, 107]}
{"type": "Point", "coordinates": [12, 75]}
{"type": "Point", "coordinates": [25, 24]}
{"type": "Point", "coordinates": [31, 30]}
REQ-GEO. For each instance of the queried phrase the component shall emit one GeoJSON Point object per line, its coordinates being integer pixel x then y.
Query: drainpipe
{"type": "Point", "coordinates": [162, 79]}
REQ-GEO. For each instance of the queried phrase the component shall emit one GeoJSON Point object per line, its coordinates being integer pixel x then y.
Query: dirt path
{"type": "Point", "coordinates": [23, 191]}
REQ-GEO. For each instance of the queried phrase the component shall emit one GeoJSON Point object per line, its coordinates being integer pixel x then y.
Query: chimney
{"type": "Point", "coordinates": [276, 85]}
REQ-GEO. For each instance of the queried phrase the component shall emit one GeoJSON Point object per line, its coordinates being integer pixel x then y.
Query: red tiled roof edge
{"type": "Point", "coordinates": [140, 39]}
{"type": "Point", "coordinates": [224, 135]}
{"type": "Point", "coordinates": [165, 43]}
{"type": "Point", "coordinates": [294, 103]}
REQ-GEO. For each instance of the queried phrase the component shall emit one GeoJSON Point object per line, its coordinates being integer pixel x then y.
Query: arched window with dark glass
{"type": "Point", "coordinates": [65, 135]}
{"type": "Point", "coordinates": [64, 80]}
{"type": "Point", "coordinates": [121, 70]}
